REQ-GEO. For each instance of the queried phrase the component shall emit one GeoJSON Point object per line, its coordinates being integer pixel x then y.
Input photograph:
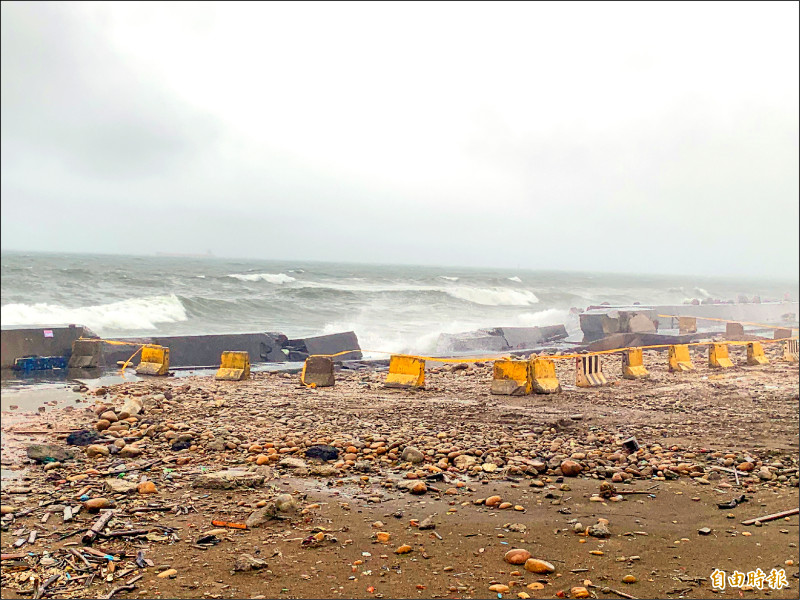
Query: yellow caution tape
{"type": "Point", "coordinates": [117, 343]}
{"type": "Point", "coordinates": [732, 321]}
{"type": "Point", "coordinates": [474, 359]}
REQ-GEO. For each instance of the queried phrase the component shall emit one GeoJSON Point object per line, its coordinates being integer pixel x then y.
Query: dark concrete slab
{"type": "Point", "coordinates": [326, 345]}
{"type": "Point", "coordinates": [55, 340]}
{"type": "Point", "coordinates": [206, 350]}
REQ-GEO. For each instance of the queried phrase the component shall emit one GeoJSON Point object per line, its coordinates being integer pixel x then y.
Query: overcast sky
{"type": "Point", "coordinates": [643, 137]}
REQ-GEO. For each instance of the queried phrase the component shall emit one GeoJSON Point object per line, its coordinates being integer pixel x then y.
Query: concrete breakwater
{"type": "Point", "coordinates": [597, 323]}
{"type": "Point", "coordinates": [185, 350]}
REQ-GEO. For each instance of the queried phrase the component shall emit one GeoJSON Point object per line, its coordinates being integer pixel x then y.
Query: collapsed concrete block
{"type": "Point", "coordinates": [300, 349]}
{"type": "Point", "coordinates": [205, 350]}
{"type": "Point", "coordinates": [470, 341]}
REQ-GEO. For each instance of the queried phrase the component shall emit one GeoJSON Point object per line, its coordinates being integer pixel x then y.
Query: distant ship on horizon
{"type": "Point", "coordinates": [207, 254]}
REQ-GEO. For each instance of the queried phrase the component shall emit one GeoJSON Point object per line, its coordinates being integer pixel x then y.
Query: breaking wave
{"type": "Point", "coordinates": [517, 279]}
{"type": "Point", "coordinates": [136, 313]}
{"type": "Point", "coordinates": [448, 278]}
{"type": "Point", "coordinates": [276, 278]}
{"type": "Point", "coordinates": [494, 296]}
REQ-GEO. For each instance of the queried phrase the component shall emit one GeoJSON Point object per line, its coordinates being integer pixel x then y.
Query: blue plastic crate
{"type": "Point", "coordinates": [40, 363]}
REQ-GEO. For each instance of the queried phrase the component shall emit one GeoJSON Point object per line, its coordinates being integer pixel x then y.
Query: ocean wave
{"type": "Point", "coordinates": [136, 313]}
{"type": "Point", "coordinates": [276, 278]}
{"type": "Point", "coordinates": [448, 278]}
{"type": "Point", "coordinates": [517, 279]}
{"type": "Point", "coordinates": [494, 296]}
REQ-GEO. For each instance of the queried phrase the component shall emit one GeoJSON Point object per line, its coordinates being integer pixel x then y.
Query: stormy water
{"type": "Point", "coordinates": [391, 308]}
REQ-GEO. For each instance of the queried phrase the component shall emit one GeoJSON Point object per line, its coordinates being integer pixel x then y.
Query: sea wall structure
{"type": "Point", "coordinates": [598, 322]}
{"type": "Point", "coordinates": [36, 340]}
{"type": "Point", "coordinates": [185, 350]}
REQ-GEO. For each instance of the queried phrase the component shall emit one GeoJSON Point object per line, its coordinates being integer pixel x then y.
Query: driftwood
{"type": "Point", "coordinates": [77, 554]}
{"type": "Point", "coordinates": [14, 556]}
{"type": "Point", "coordinates": [43, 588]}
{"type": "Point", "coordinates": [119, 470]}
{"type": "Point", "coordinates": [91, 535]}
{"type": "Point", "coordinates": [773, 516]}
{"type": "Point", "coordinates": [138, 509]}
{"type": "Point", "coordinates": [613, 591]}
{"type": "Point", "coordinates": [125, 532]}
{"type": "Point", "coordinates": [128, 587]}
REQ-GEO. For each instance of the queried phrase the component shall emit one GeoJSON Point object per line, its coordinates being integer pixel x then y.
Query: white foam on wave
{"type": "Point", "coordinates": [494, 296]}
{"type": "Point", "coordinates": [517, 279]}
{"type": "Point", "coordinates": [136, 313]}
{"type": "Point", "coordinates": [276, 278]}
{"type": "Point", "coordinates": [421, 336]}
{"type": "Point", "coordinates": [448, 278]}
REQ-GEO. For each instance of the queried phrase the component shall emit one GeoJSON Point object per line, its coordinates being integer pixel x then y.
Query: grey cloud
{"type": "Point", "coordinates": [67, 95]}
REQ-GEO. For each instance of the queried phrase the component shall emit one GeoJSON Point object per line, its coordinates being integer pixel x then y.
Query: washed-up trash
{"type": "Point", "coordinates": [322, 452]}
{"type": "Point", "coordinates": [318, 539]}
{"type": "Point", "coordinates": [229, 524]}
{"type": "Point", "coordinates": [631, 444]}
{"type": "Point", "coordinates": [733, 503]}
{"type": "Point", "coordinates": [208, 539]}
{"type": "Point", "coordinates": [84, 437]}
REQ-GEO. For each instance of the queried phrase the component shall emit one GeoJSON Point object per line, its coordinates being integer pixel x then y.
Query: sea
{"type": "Point", "coordinates": [392, 308]}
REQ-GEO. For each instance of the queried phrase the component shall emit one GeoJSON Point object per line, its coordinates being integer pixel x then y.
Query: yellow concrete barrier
{"type": "Point", "coordinates": [679, 359]}
{"type": "Point", "coordinates": [687, 325]}
{"type": "Point", "coordinates": [543, 376]}
{"type": "Point", "coordinates": [588, 372]}
{"type": "Point", "coordinates": [790, 350]}
{"type": "Point", "coordinates": [633, 364]}
{"type": "Point", "coordinates": [511, 378]}
{"type": "Point", "coordinates": [718, 357]}
{"type": "Point", "coordinates": [154, 361]}
{"type": "Point", "coordinates": [234, 366]}
{"type": "Point", "coordinates": [318, 372]}
{"type": "Point", "coordinates": [405, 372]}
{"type": "Point", "coordinates": [755, 354]}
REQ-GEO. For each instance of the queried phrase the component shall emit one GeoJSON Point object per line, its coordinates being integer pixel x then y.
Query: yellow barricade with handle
{"type": "Point", "coordinates": [543, 376]}
{"type": "Point", "coordinates": [679, 359]}
{"type": "Point", "coordinates": [154, 360]}
{"type": "Point", "coordinates": [790, 351]}
{"type": "Point", "coordinates": [511, 378]}
{"type": "Point", "coordinates": [718, 356]}
{"type": "Point", "coordinates": [588, 372]}
{"type": "Point", "coordinates": [633, 364]}
{"type": "Point", "coordinates": [755, 354]}
{"type": "Point", "coordinates": [405, 372]}
{"type": "Point", "coordinates": [234, 366]}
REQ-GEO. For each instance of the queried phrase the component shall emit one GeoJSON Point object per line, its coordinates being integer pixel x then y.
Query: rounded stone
{"type": "Point", "coordinates": [110, 416]}
{"type": "Point", "coordinates": [517, 556]}
{"type": "Point", "coordinates": [96, 504]}
{"type": "Point", "coordinates": [535, 565]}
{"type": "Point", "coordinates": [419, 488]}
{"type": "Point", "coordinates": [146, 487]}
